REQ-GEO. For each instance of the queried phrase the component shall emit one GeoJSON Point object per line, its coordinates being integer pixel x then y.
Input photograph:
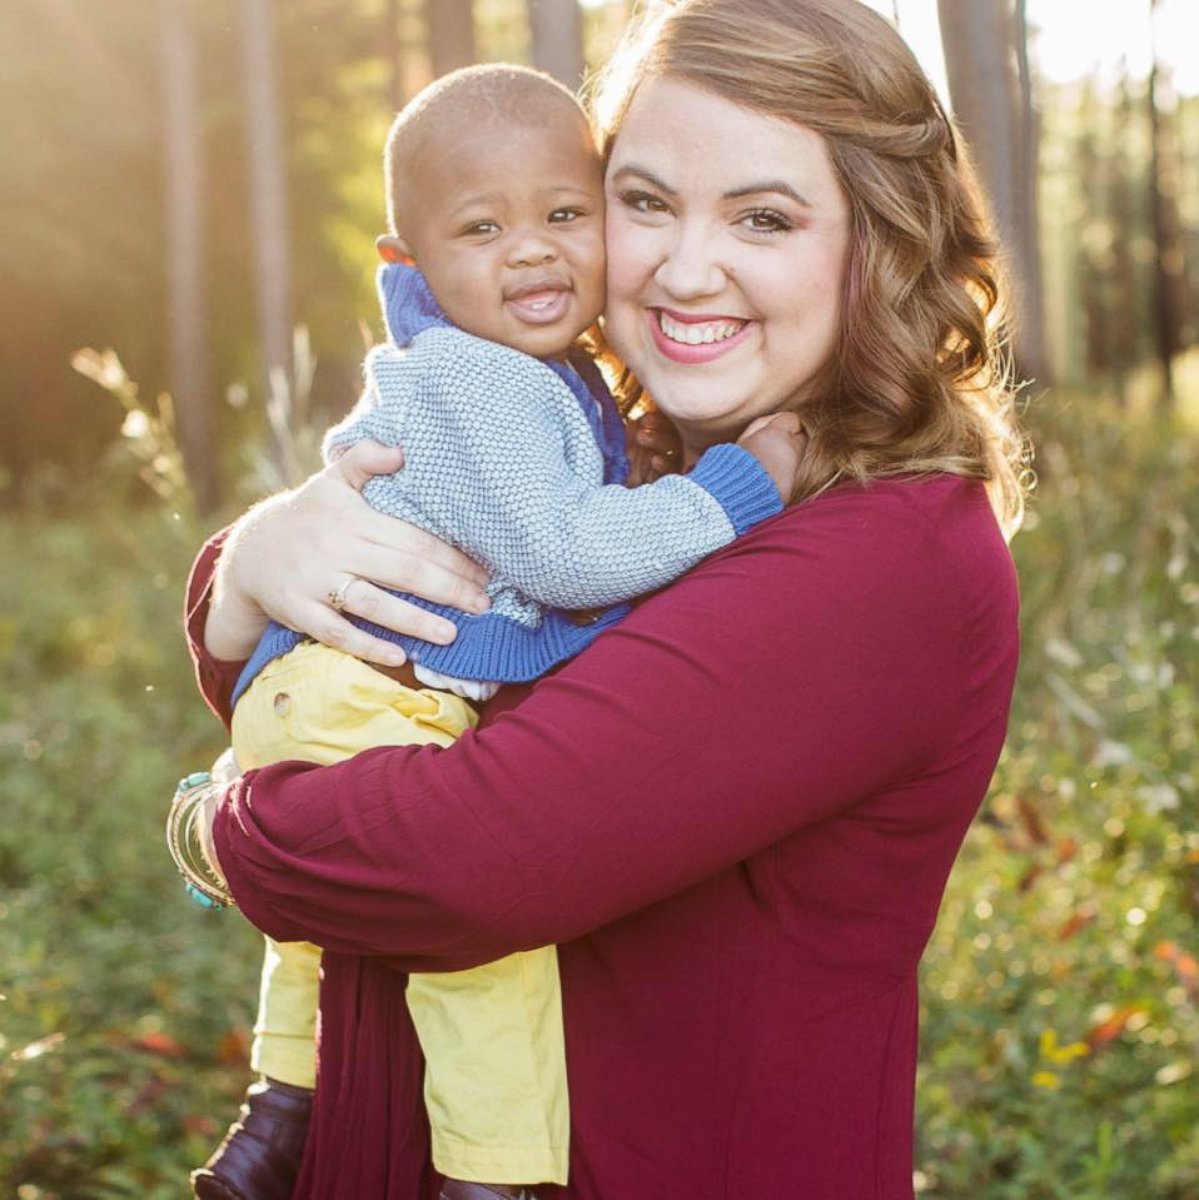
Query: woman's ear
{"type": "Point", "coordinates": [393, 249]}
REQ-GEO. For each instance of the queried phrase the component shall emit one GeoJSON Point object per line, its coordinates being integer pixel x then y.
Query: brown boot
{"type": "Point", "coordinates": [261, 1154]}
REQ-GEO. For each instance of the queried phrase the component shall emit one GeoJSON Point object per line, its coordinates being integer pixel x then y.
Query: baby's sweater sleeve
{"type": "Point", "coordinates": [492, 452]}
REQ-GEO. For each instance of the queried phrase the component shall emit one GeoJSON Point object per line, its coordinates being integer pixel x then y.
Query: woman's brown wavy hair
{"type": "Point", "coordinates": [919, 382]}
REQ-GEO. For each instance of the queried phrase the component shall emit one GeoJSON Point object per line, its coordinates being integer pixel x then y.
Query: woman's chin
{"type": "Point", "coordinates": [700, 422]}
{"type": "Point", "coordinates": [719, 398]}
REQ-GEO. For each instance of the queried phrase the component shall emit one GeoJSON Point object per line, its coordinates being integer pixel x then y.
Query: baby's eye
{"type": "Point", "coordinates": [766, 220]}
{"type": "Point", "coordinates": [561, 216]}
{"type": "Point", "coordinates": [645, 202]}
{"type": "Point", "coordinates": [481, 229]}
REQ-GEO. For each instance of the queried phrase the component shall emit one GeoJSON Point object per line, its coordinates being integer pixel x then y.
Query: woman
{"type": "Point", "coordinates": [736, 812]}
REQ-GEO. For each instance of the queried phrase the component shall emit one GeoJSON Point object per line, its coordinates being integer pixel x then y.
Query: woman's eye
{"type": "Point", "coordinates": [644, 202]}
{"type": "Point", "coordinates": [766, 220]}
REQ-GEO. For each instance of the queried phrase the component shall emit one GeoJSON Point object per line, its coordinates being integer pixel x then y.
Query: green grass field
{"type": "Point", "coordinates": [1060, 1031]}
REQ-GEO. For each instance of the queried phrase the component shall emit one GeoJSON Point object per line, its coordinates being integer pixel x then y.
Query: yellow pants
{"type": "Point", "coordinates": [495, 1063]}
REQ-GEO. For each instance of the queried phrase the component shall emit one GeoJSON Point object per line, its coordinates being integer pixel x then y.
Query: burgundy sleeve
{"type": "Point", "coordinates": [214, 677]}
{"type": "Point", "coordinates": [816, 662]}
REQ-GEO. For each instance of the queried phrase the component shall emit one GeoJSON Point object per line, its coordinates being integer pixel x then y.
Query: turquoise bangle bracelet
{"type": "Point", "coordinates": [200, 879]}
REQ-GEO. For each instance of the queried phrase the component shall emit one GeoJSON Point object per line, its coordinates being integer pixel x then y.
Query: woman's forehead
{"type": "Point", "coordinates": [687, 136]}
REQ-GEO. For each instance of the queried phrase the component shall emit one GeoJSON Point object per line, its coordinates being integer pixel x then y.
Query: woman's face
{"type": "Point", "coordinates": [728, 236]}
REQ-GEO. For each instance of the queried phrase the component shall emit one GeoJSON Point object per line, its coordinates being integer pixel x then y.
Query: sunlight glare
{"type": "Point", "coordinates": [1066, 42]}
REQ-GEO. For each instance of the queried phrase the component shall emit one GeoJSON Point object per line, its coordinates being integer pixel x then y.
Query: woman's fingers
{"type": "Point", "coordinates": [348, 576]}
{"type": "Point", "coordinates": [351, 538]}
{"type": "Point", "coordinates": [424, 560]}
{"type": "Point", "coordinates": [309, 557]}
{"type": "Point", "coordinates": [412, 558]}
{"type": "Point", "coordinates": [331, 627]}
{"type": "Point", "coordinates": [364, 460]}
{"type": "Point", "coordinates": [364, 599]}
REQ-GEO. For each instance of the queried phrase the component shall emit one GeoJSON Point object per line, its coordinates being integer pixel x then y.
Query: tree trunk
{"type": "Point", "coordinates": [451, 34]}
{"type": "Point", "coordinates": [557, 27]}
{"type": "Point", "coordinates": [1168, 260]}
{"type": "Point", "coordinates": [1028, 245]}
{"type": "Point", "coordinates": [270, 222]}
{"type": "Point", "coordinates": [1092, 267]}
{"type": "Point", "coordinates": [187, 316]}
{"type": "Point", "coordinates": [982, 60]}
{"type": "Point", "coordinates": [1126, 285]}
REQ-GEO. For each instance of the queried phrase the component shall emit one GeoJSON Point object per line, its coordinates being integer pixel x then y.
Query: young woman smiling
{"type": "Point", "coordinates": [725, 279]}
{"type": "Point", "coordinates": [735, 813]}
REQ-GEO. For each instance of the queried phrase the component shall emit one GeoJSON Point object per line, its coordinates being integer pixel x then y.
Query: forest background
{"type": "Point", "coordinates": [191, 190]}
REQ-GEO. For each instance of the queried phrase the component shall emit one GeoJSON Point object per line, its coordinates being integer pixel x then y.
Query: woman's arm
{"type": "Point", "coordinates": [492, 451]}
{"type": "Point", "coordinates": [224, 623]}
{"type": "Point", "coordinates": [286, 556]}
{"type": "Point", "coordinates": [215, 677]}
{"type": "Point", "coordinates": [824, 659]}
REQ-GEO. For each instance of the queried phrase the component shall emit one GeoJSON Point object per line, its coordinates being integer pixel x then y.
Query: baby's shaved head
{"type": "Point", "coordinates": [489, 95]}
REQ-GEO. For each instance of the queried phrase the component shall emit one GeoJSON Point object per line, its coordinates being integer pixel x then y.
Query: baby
{"type": "Point", "coordinates": [514, 451]}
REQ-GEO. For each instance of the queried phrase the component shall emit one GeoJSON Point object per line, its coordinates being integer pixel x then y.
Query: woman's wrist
{"type": "Point", "coordinates": [233, 627]}
{"type": "Point", "coordinates": [235, 620]}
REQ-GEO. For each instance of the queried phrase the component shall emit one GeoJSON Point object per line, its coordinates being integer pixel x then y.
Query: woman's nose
{"type": "Point", "coordinates": [690, 265]}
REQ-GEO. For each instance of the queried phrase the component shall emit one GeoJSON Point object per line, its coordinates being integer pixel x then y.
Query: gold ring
{"type": "Point", "coordinates": [337, 597]}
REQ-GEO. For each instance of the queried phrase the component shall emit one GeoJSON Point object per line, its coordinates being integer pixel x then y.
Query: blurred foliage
{"type": "Point", "coordinates": [81, 180]}
{"type": "Point", "coordinates": [1060, 1029]}
{"type": "Point", "coordinates": [1061, 1035]}
{"type": "Point", "coordinates": [81, 184]}
{"type": "Point", "coordinates": [1098, 251]}
{"type": "Point", "coordinates": [123, 1012]}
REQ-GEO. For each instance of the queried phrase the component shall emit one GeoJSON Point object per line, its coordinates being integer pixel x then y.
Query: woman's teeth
{"type": "Point", "coordinates": [698, 333]}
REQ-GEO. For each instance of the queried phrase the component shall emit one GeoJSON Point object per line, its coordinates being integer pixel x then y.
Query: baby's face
{"type": "Point", "coordinates": [508, 228]}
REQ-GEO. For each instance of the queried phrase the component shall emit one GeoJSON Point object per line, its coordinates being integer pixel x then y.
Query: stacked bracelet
{"type": "Point", "coordinates": [194, 797]}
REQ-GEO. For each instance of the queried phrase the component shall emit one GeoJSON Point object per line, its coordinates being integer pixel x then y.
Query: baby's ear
{"type": "Point", "coordinates": [394, 249]}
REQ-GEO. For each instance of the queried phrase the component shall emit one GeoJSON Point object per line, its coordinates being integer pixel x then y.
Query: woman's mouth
{"type": "Point", "coordinates": [688, 338]}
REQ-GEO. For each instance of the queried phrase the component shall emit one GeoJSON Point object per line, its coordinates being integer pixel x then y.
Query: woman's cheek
{"type": "Point", "coordinates": [627, 260]}
{"type": "Point", "coordinates": [619, 253]}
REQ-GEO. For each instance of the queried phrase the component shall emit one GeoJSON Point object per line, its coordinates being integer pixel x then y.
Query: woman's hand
{"type": "Point", "coordinates": [307, 557]}
{"type": "Point", "coordinates": [653, 446]}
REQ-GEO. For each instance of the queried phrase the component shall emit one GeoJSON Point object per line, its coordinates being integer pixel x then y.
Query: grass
{"type": "Point", "coordinates": [1060, 1031]}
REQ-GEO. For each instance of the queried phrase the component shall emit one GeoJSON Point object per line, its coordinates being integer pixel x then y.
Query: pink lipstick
{"type": "Point", "coordinates": [693, 339]}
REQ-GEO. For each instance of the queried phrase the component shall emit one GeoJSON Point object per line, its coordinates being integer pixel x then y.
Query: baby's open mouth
{"type": "Point", "coordinates": [539, 303]}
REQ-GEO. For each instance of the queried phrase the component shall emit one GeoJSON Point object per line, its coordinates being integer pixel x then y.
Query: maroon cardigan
{"type": "Point", "coordinates": [735, 814]}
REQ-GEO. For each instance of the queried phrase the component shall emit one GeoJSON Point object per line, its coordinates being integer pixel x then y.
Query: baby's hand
{"type": "Point", "coordinates": [778, 442]}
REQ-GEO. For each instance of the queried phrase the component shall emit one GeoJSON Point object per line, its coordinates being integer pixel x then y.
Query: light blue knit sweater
{"type": "Point", "coordinates": [520, 463]}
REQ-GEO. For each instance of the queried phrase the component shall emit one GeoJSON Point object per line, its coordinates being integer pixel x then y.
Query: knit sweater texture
{"type": "Point", "coordinates": [520, 462]}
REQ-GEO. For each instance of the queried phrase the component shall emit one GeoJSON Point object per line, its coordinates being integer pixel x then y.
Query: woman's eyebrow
{"type": "Point", "coordinates": [643, 173]}
{"type": "Point", "coordinates": [779, 186]}
{"type": "Point", "coordinates": [759, 187]}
